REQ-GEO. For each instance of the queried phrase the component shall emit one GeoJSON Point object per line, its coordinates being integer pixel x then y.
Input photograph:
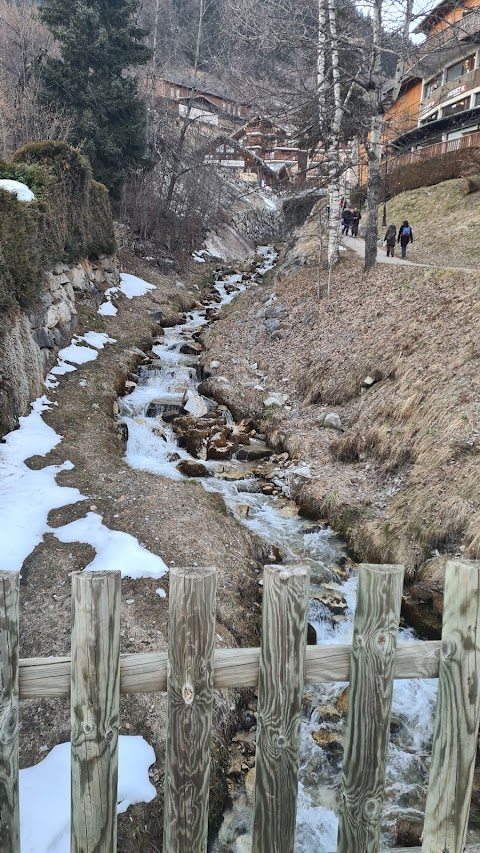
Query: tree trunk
{"type": "Point", "coordinates": [373, 191]}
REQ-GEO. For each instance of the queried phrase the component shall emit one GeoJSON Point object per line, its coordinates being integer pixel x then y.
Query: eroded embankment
{"type": "Point", "coordinates": [395, 356]}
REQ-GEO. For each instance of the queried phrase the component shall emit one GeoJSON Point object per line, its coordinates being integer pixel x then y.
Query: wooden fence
{"type": "Point", "coordinates": [96, 675]}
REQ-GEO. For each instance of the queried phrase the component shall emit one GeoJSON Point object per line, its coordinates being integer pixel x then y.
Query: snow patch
{"type": "Point", "coordinates": [115, 550]}
{"type": "Point", "coordinates": [26, 496]}
{"type": "Point", "coordinates": [45, 793]}
{"type": "Point", "coordinates": [132, 286]}
{"type": "Point", "coordinates": [107, 309]}
{"type": "Point", "coordinates": [22, 192]}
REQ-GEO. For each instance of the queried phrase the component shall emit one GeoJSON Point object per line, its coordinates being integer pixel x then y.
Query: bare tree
{"type": "Point", "coordinates": [24, 42]}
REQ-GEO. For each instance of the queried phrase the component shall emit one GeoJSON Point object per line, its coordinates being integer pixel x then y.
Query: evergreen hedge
{"type": "Point", "coordinates": [70, 218]}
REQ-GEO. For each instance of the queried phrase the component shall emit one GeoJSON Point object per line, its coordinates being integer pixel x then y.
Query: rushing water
{"type": "Point", "coordinates": [152, 446]}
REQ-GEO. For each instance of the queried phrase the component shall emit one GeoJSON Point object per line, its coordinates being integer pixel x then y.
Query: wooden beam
{"type": "Point", "coordinates": [191, 643]}
{"type": "Point", "coordinates": [280, 698]}
{"type": "Point", "coordinates": [42, 678]}
{"type": "Point", "coordinates": [9, 808]}
{"type": "Point", "coordinates": [377, 615]}
{"type": "Point", "coordinates": [458, 713]}
{"type": "Point", "coordinates": [95, 697]}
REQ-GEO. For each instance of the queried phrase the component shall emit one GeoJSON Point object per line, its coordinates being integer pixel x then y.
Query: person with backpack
{"type": "Point", "coordinates": [389, 239]}
{"type": "Point", "coordinates": [405, 236]}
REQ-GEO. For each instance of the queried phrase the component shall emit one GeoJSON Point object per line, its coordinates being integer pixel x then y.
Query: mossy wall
{"type": "Point", "coordinates": [70, 218]}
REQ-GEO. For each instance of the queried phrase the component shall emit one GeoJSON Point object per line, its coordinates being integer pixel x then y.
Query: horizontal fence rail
{"type": "Point", "coordinates": [47, 678]}
{"type": "Point", "coordinates": [96, 674]}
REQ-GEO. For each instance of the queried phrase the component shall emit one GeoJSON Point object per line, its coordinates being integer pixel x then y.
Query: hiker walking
{"type": "Point", "coordinates": [356, 217]}
{"type": "Point", "coordinates": [405, 236]}
{"type": "Point", "coordinates": [346, 220]}
{"type": "Point", "coordinates": [390, 239]}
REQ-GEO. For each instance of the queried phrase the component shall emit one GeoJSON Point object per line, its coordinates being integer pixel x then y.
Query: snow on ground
{"type": "Point", "coordinates": [45, 793]}
{"type": "Point", "coordinates": [130, 286]}
{"type": "Point", "coordinates": [27, 496]}
{"type": "Point", "coordinates": [107, 309]}
{"type": "Point", "coordinates": [115, 550]}
{"type": "Point", "coordinates": [22, 192]}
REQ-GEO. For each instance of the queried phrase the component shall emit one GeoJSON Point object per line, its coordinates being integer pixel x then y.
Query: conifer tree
{"type": "Point", "coordinates": [98, 41]}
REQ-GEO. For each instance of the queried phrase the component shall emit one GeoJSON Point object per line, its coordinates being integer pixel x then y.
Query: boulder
{"type": "Point", "coordinates": [331, 741]}
{"type": "Point", "coordinates": [333, 421]}
{"type": "Point", "coordinates": [191, 468]}
{"type": "Point", "coordinates": [408, 831]}
{"type": "Point", "coordinates": [253, 452]}
{"type": "Point", "coordinates": [191, 348]}
{"type": "Point", "coordinates": [195, 404]}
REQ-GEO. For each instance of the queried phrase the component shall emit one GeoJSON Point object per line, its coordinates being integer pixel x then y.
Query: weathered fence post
{"type": "Point", "coordinates": [458, 712]}
{"type": "Point", "coordinates": [280, 695]}
{"type": "Point", "coordinates": [95, 691]}
{"type": "Point", "coordinates": [191, 641]}
{"type": "Point", "coordinates": [9, 812]}
{"type": "Point", "coordinates": [369, 704]}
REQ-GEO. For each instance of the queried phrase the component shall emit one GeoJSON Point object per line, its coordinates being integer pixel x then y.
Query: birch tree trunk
{"type": "Point", "coordinates": [333, 150]}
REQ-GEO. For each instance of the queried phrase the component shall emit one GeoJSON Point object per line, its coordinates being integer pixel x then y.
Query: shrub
{"type": "Point", "coordinates": [69, 219]}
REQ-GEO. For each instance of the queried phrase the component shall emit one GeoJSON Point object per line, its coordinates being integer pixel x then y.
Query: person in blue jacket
{"type": "Point", "coordinates": [405, 236]}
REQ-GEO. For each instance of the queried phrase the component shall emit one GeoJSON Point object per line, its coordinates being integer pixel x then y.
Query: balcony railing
{"type": "Point", "coordinates": [470, 140]}
{"type": "Point", "coordinates": [456, 33]}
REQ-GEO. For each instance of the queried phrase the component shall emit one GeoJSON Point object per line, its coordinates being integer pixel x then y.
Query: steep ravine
{"type": "Point", "coordinates": [175, 432]}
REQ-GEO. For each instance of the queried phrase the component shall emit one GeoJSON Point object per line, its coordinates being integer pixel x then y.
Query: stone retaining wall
{"type": "Point", "coordinates": [33, 337]}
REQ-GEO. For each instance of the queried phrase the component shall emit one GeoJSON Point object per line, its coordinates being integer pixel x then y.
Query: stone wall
{"type": "Point", "coordinates": [33, 337]}
{"type": "Point", "coordinates": [257, 223]}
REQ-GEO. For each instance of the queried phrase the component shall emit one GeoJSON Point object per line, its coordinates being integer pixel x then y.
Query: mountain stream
{"type": "Point", "coordinates": [162, 389]}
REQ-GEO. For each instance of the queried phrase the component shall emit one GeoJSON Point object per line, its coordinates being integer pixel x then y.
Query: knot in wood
{"type": "Point", "coordinates": [383, 641]}
{"type": "Point", "coordinates": [9, 728]}
{"type": "Point", "coordinates": [187, 694]}
{"type": "Point", "coordinates": [281, 741]}
{"type": "Point", "coordinates": [372, 808]}
{"type": "Point", "coordinates": [448, 649]}
{"type": "Point", "coordinates": [359, 640]}
{"type": "Point", "coordinates": [88, 727]}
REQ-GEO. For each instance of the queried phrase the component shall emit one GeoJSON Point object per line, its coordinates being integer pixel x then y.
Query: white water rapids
{"type": "Point", "coordinates": [152, 446]}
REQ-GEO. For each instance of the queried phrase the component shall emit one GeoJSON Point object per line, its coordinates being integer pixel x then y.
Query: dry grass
{"type": "Point", "coordinates": [445, 221]}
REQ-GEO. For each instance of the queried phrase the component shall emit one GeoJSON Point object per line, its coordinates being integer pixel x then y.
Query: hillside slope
{"type": "Point", "coordinates": [401, 481]}
{"type": "Point", "coordinates": [445, 222]}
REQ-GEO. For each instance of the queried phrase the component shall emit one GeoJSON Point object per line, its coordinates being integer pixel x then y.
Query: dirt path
{"type": "Point", "coordinates": [357, 245]}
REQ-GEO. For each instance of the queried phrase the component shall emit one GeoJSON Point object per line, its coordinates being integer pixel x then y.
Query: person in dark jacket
{"type": "Point", "coordinates": [405, 236]}
{"type": "Point", "coordinates": [346, 220]}
{"type": "Point", "coordinates": [356, 217]}
{"type": "Point", "coordinates": [389, 239]}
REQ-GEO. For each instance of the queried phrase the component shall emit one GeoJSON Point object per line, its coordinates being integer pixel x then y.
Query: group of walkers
{"type": "Point", "coordinates": [350, 220]}
{"type": "Point", "coordinates": [404, 237]}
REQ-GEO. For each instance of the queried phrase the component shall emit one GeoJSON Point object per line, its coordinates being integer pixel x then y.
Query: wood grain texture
{"type": "Point", "coordinates": [280, 696]}
{"type": "Point", "coordinates": [9, 808]}
{"type": "Point", "coordinates": [457, 714]}
{"type": "Point", "coordinates": [377, 615]}
{"type": "Point", "coordinates": [94, 710]}
{"type": "Point", "coordinates": [191, 638]}
{"type": "Point", "coordinates": [41, 678]}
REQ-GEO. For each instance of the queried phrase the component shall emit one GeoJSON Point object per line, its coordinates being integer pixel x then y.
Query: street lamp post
{"type": "Point", "coordinates": [384, 217]}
